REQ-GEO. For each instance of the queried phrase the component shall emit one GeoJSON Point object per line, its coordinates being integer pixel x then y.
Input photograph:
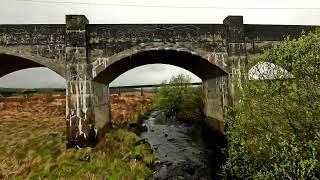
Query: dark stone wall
{"type": "Point", "coordinates": [41, 43]}
{"type": "Point", "coordinates": [262, 37]}
{"type": "Point", "coordinates": [107, 40]}
{"type": "Point", "coordinates": [46, 40]}
{"type": "Point", "coordinates": [274, 32]}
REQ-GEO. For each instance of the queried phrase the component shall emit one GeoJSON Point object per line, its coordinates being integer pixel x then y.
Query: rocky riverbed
{"type": "Point", "coordinates": [184, 150]}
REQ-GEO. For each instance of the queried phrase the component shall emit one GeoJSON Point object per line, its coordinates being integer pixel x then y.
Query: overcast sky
{"type": "Point", "coordinates": [146, 11]}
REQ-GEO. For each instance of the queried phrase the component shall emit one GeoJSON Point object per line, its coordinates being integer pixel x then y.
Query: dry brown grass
{"type": "Point", "coordinates": [28, 122]}
{"type": "Point", "coordinates": [124, 108]}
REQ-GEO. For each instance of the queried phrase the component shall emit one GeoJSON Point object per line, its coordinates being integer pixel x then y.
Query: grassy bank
{"type": "Point", "coordinates": [32, 144]}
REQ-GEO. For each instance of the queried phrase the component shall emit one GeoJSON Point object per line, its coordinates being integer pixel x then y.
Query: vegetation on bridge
{"type": "Point", "coordinates": [274, 132]}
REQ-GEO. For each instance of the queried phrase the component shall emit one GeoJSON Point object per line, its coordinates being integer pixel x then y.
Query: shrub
{"type": "Point", "coordinates": [180, 99]}
{"type": "Point", "coordinates": [274, 131]}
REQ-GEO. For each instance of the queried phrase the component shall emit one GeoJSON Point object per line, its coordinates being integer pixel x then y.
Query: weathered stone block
{"type": "Point", "coordinates": [76, 22]}
{"type": "Point", "coordinates": [76, 55]}
{"type": "Point", "coordinates": [233, 20]}
{"type": "Point", "coordinates": [76, 38]}
{"type": "Point", "coordinates": [234, 29]}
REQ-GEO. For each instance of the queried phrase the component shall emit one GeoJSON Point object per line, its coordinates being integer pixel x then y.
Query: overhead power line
{"type": "Point", "coordinates": [170, 6]}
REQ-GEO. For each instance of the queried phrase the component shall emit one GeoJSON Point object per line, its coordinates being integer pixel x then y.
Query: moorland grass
{"type": "Point", "coordinates": [32, 146]}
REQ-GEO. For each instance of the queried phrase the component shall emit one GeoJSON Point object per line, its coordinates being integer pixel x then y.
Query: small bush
{"type": "Point", "coordinates": [180, 99]}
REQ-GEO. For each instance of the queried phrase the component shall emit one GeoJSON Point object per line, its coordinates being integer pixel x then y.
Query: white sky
{"type": "Point", "coordinates": [22, 12]}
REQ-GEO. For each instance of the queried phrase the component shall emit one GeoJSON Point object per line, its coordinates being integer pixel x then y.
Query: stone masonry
{"type": "Point", "coordinates": [90, 56]}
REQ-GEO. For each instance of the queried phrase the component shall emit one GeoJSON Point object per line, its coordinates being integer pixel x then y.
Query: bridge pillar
{"type": "Point", "coordinates": [237, 55]}
{"type": "Point", "coordinates": [87, 104]}
{"type": "Point", "coordinates": [219, 91]}
{"type": "Point", "coordinates": [216, 99]}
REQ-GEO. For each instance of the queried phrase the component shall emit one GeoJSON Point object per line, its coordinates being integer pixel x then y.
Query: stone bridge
{"type": "Point", "coordinates": [90, 56]}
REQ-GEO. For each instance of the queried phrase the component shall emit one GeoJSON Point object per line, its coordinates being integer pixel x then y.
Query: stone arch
{"type": "Point", "coordinates": [204, 65]}
{"type": "Point", "coordinates": [11, 62]}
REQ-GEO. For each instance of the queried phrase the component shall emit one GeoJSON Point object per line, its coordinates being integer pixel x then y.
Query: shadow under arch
{"type": "Point", "coordinates": [11, 63]}
{"type": "Point", "coordinates": [201, 67]}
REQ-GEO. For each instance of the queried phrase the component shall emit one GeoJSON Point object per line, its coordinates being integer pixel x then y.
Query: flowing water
{"type": "Point", "coordinates": [184, 150]}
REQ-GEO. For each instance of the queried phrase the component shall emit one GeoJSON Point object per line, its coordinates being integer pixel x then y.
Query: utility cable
{"type": "Point", "coordinates": [170, 6]}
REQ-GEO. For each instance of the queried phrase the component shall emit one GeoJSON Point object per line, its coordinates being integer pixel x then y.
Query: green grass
{"type": "Point", "coordinates": [108, 160]}
{"type": "Point", "coordinates": [44, 157]}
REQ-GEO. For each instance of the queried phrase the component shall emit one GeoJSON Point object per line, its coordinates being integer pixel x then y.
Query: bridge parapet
{"type": "Point", "coordinates": [109, 40]}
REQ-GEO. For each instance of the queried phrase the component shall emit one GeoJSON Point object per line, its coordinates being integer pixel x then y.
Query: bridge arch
{"type": "Point", "coordinates": [84, 111]}
{"type": "Point", "coordinates": [205, 66]}
{"type": "Point", "coordinates": [11, 62]}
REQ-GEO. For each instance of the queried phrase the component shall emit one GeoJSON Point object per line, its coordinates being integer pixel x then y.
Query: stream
{"type": "Point", "coordinates": [184, 150]}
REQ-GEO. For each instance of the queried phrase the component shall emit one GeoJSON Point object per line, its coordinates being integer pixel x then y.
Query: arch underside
{"type": "Point", "coordinates": [193, 63]}
{"type": "Point", "coordinates": [11, 63]}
